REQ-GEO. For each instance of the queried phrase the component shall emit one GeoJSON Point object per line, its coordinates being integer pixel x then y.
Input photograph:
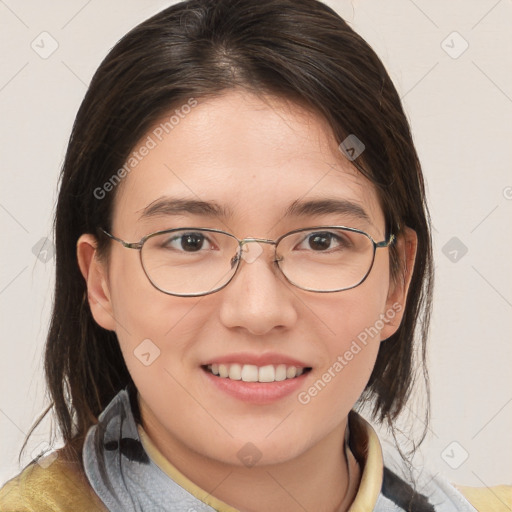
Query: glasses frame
{"type": "Point", "coordinates": [237, 258]}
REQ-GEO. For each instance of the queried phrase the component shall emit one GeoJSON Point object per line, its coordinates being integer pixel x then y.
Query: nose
{"type": "Point", "coordinates": [258, 299]}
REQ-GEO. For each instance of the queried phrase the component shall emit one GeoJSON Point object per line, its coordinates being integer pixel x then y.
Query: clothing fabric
{"type": "Point", "coordinates": [125, 472]}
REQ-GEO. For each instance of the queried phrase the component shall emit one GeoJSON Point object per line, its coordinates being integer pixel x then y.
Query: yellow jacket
{"type": "Point", "coordinates": [56, 483]}
{"type": "Point", "coordinates": [61, 487]}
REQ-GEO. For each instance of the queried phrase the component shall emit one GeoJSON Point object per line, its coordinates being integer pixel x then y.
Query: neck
{"type": "Point", "coordinates": [325, 478]}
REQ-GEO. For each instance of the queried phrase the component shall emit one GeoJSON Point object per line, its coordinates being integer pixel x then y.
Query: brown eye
{"type": "Point", "coordinates": [322, 241]}
{"type": "Point", "coordinates": [188, 242]}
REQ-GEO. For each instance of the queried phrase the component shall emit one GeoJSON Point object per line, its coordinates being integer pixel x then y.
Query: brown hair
{"type": "Point", "coordinates": [298, 49]}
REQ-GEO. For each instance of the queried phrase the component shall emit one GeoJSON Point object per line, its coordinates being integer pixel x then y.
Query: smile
{"type": "Point", "coordinates": [253, 373]}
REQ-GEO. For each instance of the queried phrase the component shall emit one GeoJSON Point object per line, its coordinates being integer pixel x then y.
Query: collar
{"type": "Point", "coordinates": [129, 473]}
{"type": "Point", "coordinates": [364, 445]}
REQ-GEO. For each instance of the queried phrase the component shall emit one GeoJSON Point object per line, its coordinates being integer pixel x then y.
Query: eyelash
{"type": "Point", "coordinates": [341, 241]}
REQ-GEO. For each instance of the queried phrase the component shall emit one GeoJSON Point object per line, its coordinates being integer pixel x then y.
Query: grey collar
{"type": "Point", "coordinates": [120, 471]}
{"type": "Point", "coordinates": [125, 478]}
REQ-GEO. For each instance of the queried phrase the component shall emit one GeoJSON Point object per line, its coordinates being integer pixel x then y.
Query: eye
{"type": "Point", "coordinates": [188, 242]}
{"type": "Point", "coordinates": [322, 241]}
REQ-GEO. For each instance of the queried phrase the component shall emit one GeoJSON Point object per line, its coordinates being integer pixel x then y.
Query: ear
{"type": "Point", "coordinates": [406, 246]}
{"type": "Point", "coordinates": [96, 278]}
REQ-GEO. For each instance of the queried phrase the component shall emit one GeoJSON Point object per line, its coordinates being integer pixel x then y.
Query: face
{"type": "Point", "coordinates": [253, 157]}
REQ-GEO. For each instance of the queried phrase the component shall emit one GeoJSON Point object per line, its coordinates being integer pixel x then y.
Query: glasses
{"type": "Point", "coordinates": [190, 262]}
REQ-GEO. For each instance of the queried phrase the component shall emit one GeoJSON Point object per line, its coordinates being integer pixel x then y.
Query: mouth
{"type": "Point", "coordinates": [253, 373]}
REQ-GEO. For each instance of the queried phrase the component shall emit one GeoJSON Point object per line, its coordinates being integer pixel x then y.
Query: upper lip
{"type": "Point", "coordinates": [256, 359]}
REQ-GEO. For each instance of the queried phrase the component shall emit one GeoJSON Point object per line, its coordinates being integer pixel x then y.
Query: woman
{"type": "Point", "coordinates": [243, 256]}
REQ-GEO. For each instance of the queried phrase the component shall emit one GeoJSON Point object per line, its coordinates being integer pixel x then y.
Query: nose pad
{"type": "Point", "coordinates": [251, 252]}
{"type": "Point", "coordinates": [234, 260]}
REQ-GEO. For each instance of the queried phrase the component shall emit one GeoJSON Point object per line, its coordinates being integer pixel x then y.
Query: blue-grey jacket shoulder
{"type": "Point", "coordinates": [417, 490]}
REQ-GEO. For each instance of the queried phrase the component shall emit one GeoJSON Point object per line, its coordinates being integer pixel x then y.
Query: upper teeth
{"type": "Point", "coordinates": [253, 373]}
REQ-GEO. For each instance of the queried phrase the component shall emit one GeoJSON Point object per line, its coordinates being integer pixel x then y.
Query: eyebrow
{"type": "Point", "coordinates": [176, 206]}
{"type": "Point", "coordinates": [300, 208]}
{"type": "Point", "coordinates": [326, 206]}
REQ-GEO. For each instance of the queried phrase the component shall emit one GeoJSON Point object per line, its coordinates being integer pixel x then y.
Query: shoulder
{"type": "Point", "coordinates": [416, 486]}
{"type": "Point", "coordinates": [432, 492]}
{"type": "Point", "coordinates": [421, 492]}
{"type": "Point", "coordinates": [482, 499]}
{"type": "Point", "coordinates": [487, 499]}
{"type": "Point", "coordinates": [50, 484]}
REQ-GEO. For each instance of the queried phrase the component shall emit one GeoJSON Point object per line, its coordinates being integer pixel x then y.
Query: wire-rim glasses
{"type": "Point", "coordinates": [191, 262]}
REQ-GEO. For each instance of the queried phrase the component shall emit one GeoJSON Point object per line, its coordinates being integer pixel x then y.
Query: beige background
{"type": "Point", "coordinates": [460, 107]}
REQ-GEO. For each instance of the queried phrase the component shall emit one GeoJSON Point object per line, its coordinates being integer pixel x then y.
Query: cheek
{"type": "Point", "coordinates": [154, 329]}
{"type": "Point", "coordinates": [337, 385]}
{"type": "Point", "coordinates": [140, 310]}
{"type": "Point", "coordinates": [350, 343]}
{"type": "Point", "coordinates": [354, 317]}
{"type": "Point", "coordinates": [351, 325]}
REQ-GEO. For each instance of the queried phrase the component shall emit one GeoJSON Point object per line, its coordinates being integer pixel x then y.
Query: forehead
{"type": "Point", "coordinates": [254, 158]}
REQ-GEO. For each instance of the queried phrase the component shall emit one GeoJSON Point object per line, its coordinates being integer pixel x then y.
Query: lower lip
{"type": "Point", "coordinates": [257, 392]}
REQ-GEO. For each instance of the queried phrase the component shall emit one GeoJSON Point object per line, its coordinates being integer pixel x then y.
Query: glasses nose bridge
{"type": "Point", "coordinates": [261, 240]}
{"type": "Point", "coordinates": [250, 256]}
{"type": "Point", "coordinates": [248, 240]}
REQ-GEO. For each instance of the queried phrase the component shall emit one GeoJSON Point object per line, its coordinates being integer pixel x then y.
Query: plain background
{"type": "Point", "coordinates": [459, 103]}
